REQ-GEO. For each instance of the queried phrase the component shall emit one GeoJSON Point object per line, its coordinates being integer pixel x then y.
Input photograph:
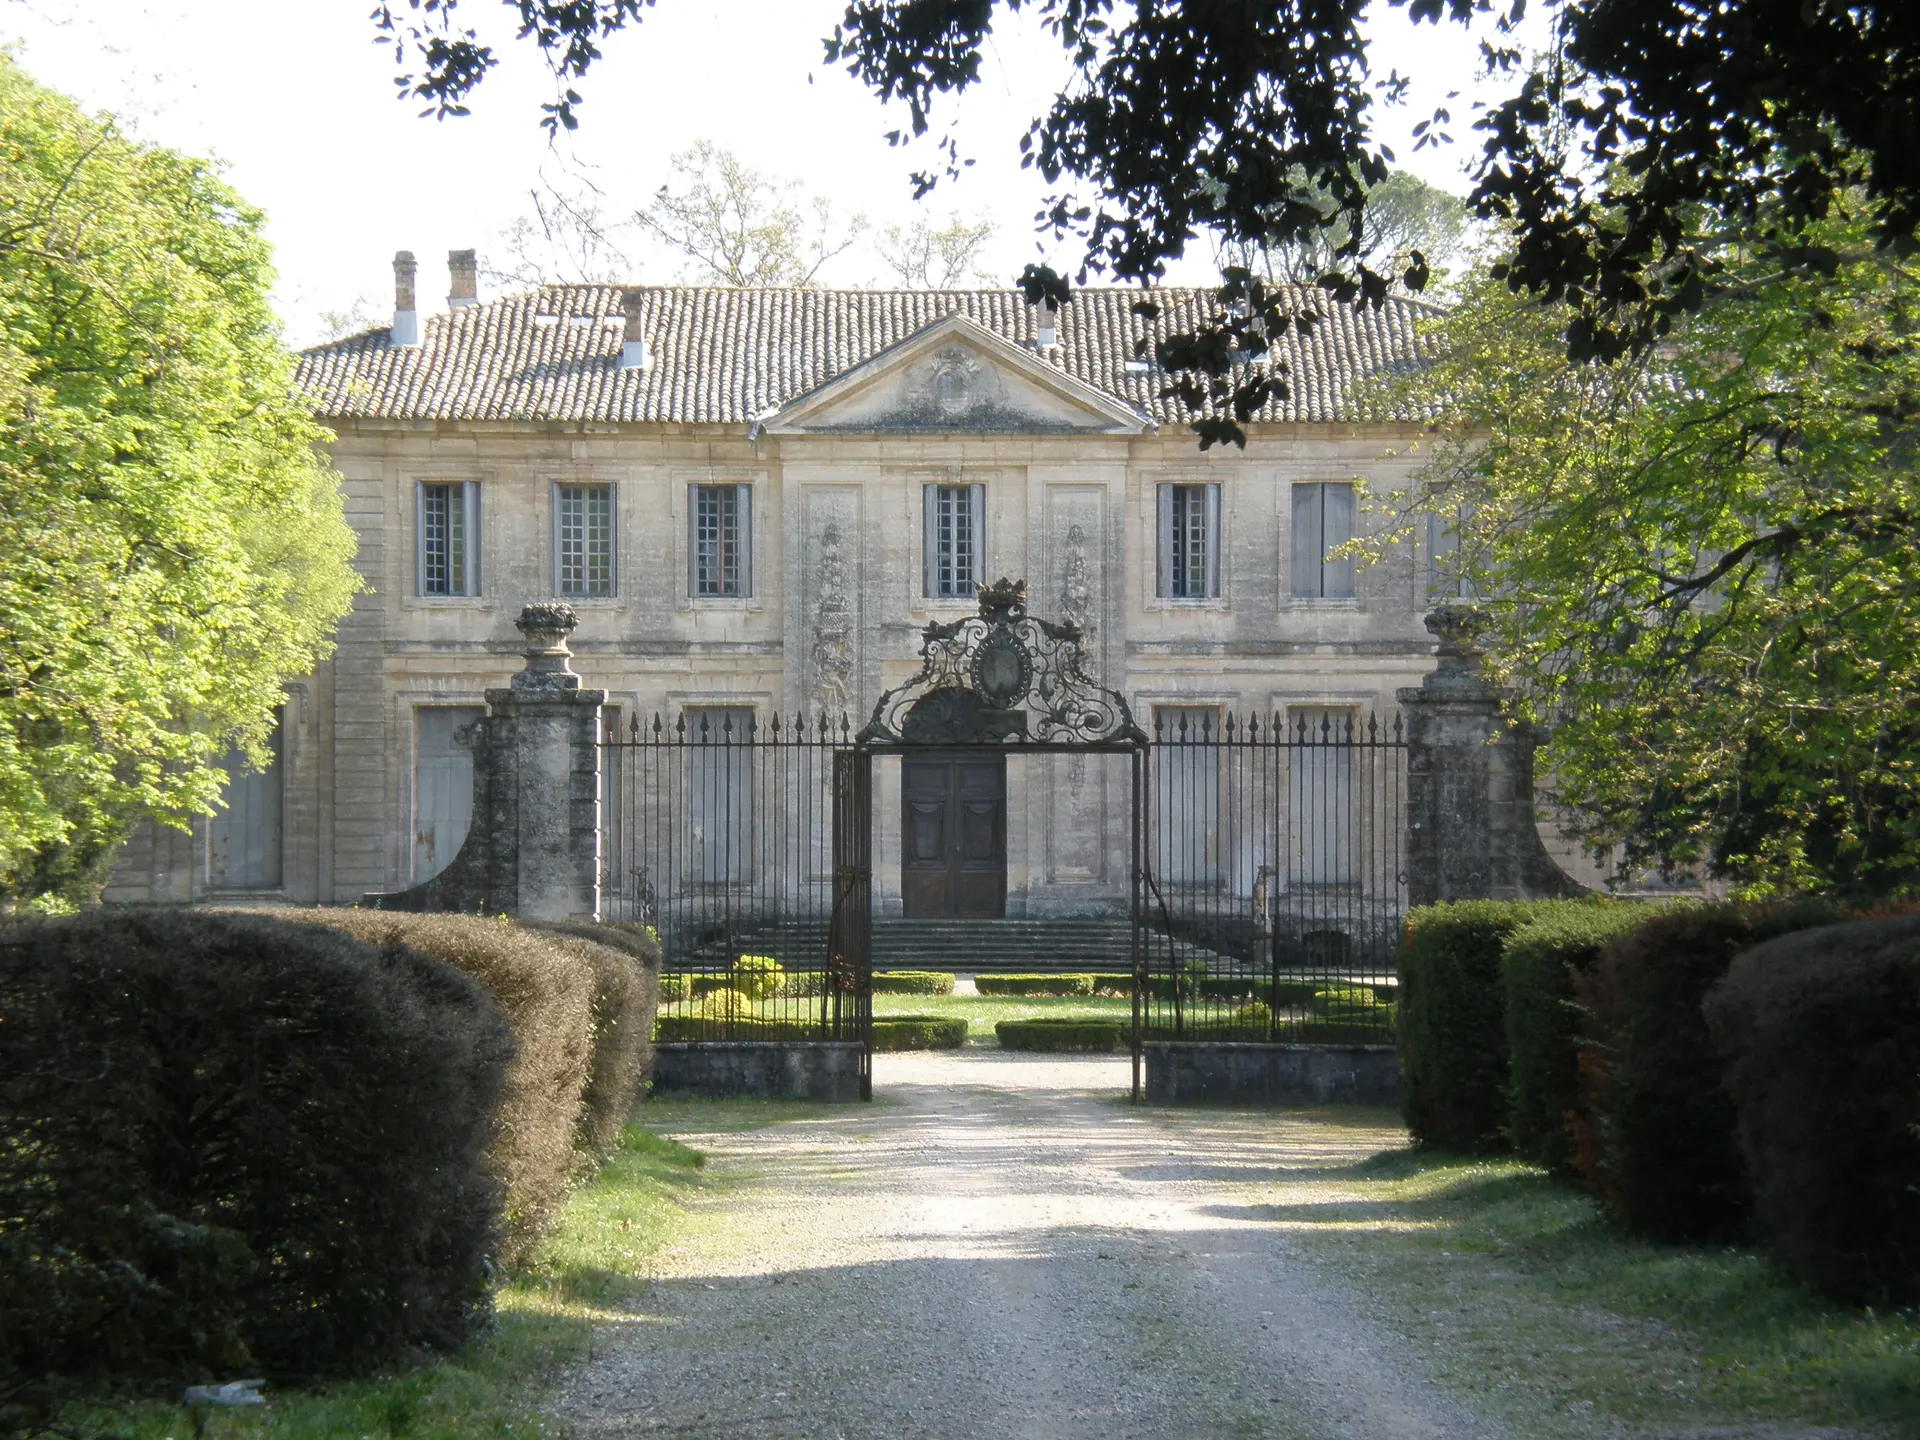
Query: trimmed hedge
{"type": "Point", "coordinates": [626, 996]}
{"type": "Point", "coordinates": [1538, 966]}
{"type": "Point", "coordinates": [1661, 1147]}
{"type": "Point", "coordinates": [1452, 1022]}
{"type": "Point", "coordinates": [919, 1032]}
{"type": "Point", "coordinates": [675, 988]}
{"type": "Point", "coordinates": [1821, 1035]}
{"type": "Point", "coordinates": [912, 982]}
{"type": "Point", "coordinates": [546, 991]}
{"type": "Point", "coordinates": [235, 1143]}
{"type": "Point", "coordinates": [1063, 1034]}
{"type": "Point", "coordinates": [1034, 986]}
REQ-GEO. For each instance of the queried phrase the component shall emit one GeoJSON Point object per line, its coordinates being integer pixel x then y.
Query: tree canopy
{"type": "Point", "coordinates": [1697, 564]}
{"type": "Point", "coordinates": [171, 548]}
{"type": "Point", "coordinates": [1184, 116]}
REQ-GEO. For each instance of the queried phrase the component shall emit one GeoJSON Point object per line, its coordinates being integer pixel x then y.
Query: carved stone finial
{"type": "Point", "coordinates": [1004, 599]}
{"type": "Point", "coordinates": [1456, 627]}
{"type": "Point", "coordinates": [546, 627]}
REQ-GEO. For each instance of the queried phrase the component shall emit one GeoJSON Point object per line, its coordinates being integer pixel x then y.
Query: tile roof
{"type": "Point", "coordinates": [728, 356]}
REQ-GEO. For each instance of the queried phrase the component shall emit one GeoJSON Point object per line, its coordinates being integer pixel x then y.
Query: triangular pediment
{"type": "Point", "coordinates": [955, 375]}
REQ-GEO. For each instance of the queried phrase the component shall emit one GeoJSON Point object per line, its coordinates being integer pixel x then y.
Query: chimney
{"type": "Point", "coordinates": [634, 354]}
{"type": "Point", "coordinates": [1043, 317]}
{"type": "Point", "coordinates": [406, 314]}
{"type": "Point", "coordinates": [465, 287]}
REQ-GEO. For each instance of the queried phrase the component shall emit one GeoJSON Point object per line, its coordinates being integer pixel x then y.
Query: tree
{"type": "Point", "coordinates": [171, 546]}
{"type": "Point", "coordinates": [925, 258]}
{"type": "Point", "coordinates": [740, 228]}
{"type": "Point", "coordinates": [1698, 564]}
{"type": "Point", "coordinates": [1188, 116]}
{"type": "Point", "coordinates": [1404, 215]}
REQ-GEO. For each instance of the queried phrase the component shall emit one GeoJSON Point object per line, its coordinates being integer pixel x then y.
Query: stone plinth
{"type": "Point", "coordinates": [1189, 1072]}
{"type": "Point", "coordinates": [760, 1069]}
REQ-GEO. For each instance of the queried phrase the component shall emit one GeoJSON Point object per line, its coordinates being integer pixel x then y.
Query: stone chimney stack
{"type": "Point", "coordinates": [634, 354]}
{"type": "Point", "coordinates": [1044, 316]}
{"type": "Point", "coordinates": [464, 286]}
{"type": "Point", "coordinates": [406, 311]}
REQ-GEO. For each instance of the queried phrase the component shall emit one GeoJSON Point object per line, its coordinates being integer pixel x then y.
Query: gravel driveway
{"type": "Point", "coordinates": [1001, 1246]}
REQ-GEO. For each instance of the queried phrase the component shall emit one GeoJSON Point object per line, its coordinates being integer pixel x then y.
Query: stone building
{"type": "Point", "coordinates": [756, 499]}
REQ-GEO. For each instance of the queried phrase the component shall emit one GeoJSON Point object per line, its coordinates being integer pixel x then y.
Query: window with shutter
{"type": "Point", "coordinates": [720, 546]}
{"type": "Point", "coordinates": [447, 526]}
{"type": "Point", "coordinates": [953, 539]}
{"type": "Point", "coordinates": [583, 540]}
{"type": "Point", "coordinates": [1322, 522]}
{"type": "Point", "coordinates": [1189, 542]}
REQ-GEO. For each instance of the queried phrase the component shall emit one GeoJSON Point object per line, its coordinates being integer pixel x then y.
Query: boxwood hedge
{"type": "Point", "coordinates": [919, 1032]}
{"type": "Point", "coordinates": [1060, 1034]}
{"type": "Point", "coordinates": [1034, 986]}
{"type": "Point", "coordinates": [913, 982]}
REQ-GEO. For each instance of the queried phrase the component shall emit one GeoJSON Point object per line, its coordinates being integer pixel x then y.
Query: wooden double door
{"type": "Point", "coordinates": [953, 835]}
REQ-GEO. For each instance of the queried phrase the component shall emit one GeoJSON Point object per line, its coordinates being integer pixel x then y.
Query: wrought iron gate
{"type": "Point", "coordinates": [1275, 876]}
{"type": "Point", "coordinates": [720, 831]}
{"type": "Point", "coordinates": [1264, 884]}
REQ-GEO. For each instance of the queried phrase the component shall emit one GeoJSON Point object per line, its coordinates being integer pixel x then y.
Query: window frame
{"type": "Point", "coordinates": [557, 497]}
{"type": "Point", "coordinates": [742, 542]}
{"type": "Point", "coordinates": [932, 562]}
{"type": "Point", "coordinates": [469, 513]}
{"type": "Point", "coordinates": [1178, 495]}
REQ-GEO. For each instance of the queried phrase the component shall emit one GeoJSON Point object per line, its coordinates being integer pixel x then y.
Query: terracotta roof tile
{"type": "Point", "coordinates": [727, 356]}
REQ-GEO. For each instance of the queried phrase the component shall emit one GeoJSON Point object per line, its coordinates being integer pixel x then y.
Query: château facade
{"type": "Point", "coordinates": [756, 499]}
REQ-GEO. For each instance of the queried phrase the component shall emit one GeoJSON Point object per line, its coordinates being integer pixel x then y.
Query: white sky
{"type": "Point", "coordinates": [296, 100]}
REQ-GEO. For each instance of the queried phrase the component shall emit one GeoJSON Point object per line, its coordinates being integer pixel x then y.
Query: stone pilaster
{"type": "Point", "coordinates": [1471, 831]}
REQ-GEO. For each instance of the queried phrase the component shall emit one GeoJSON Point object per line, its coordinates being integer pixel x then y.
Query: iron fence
{"type": "Point", "coordinates": [1273, 881]}
{"type": "Point", "coordinates": [718, 831]}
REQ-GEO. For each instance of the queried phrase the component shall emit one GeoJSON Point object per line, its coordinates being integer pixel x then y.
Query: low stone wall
{"type": "Point", "coordinates": [1185, 1072]}
{"type": "Point", "coordinates": [760, 1069]}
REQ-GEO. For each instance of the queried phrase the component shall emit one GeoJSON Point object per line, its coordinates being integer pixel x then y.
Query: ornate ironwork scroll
{"type": "Point", "coordinates": [1001, 677]}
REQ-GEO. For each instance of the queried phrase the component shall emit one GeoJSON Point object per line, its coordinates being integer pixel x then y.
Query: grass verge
{"type": "Point", "coordinates": [1521, 1292]}
{"type": "Point", "coordinates": [547, 1315]}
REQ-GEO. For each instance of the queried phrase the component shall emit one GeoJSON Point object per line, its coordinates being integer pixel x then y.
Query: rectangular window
{"type": "Point", "coordinates": [1444, 580]}
{"type": "Point", "coordinates": [720, 549]}
{"type": "Point", "coordinates": [954, 540]}
{"type": "Point", "coordinates": [720, 793]}
{"type": "Point", "coordinates": [1322, 521]}
{"type": "Point", "coordinates": [447, 522]}
{"type": "Point", "coordinates": [1189, 531]}
{"type": "Point", "coordinates": [442, 784]}
{"type": "Point", "coordinates": [1186, 794]}
{"type": "Point", "coordinates": [583, 540]}
{"type": "Point", "coordinates": [244, 836]}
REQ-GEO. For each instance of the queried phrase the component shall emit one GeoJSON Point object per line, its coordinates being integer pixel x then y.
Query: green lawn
{"type": "Point", "coordinates": [1523, 1294]}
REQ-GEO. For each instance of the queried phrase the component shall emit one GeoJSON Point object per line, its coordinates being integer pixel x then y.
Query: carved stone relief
{"type": "Point", "coordinates": [832, 655]}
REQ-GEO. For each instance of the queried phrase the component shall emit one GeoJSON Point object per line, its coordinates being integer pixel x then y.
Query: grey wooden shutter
{"type": "Point", "coordinates": [977, 504]}
{"type": "Point", "coordinates": [1163, 541]}
{"type": "Point", "coordinates": [744, 510]}
{"type": "Point", "coordinates": [693, 542]}
{"type": "Point", "coordinates": [419, 538]}
{"type": "Point", "coordinates": [470, 495]}
{"type": "Point", "coordinates": [1307, 549]}
{"type": "Point", "coordinates": [1338, 531]}
{"type": "Point", "coordinates": [1213, 542]}
{"type": "Point", "coordinates": [929, 540]}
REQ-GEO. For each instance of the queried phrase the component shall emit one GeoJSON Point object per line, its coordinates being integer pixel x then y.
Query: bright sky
{"type": "Point", "coordinates": [296, 100]}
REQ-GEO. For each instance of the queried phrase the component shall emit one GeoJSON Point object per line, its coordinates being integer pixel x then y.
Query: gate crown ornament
{"type": "Point", "coordinates": [1002, 677]}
